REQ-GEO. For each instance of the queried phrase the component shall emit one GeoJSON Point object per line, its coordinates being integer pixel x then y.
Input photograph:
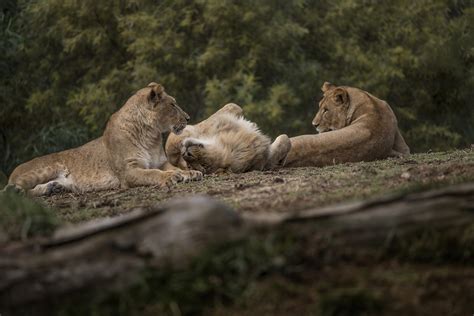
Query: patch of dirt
{"type": "Point", "coordinates": [284, 190]}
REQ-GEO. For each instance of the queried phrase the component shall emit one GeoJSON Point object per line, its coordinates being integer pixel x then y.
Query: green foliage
{"type": "Point", "coordinates": [435, 246]}
{"type": "Point", "coordinates": [22, 218]}
{"type": "Point", "coordinates": [51, 138]}
{"type": "Point", "coordinates": [423, 135]}
{"type": "Point", "coordinates": [3, 180]}
{"type": "Point", "coordinates": [72, 63]}
{"type": "Point", "coordinates": [350, 302]}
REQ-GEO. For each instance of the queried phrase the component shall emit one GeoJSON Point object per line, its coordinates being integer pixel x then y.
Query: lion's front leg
{"type": "Point", "coordinates": [135, 177]}
{"type": "Point", "coordinates": [188, 175]}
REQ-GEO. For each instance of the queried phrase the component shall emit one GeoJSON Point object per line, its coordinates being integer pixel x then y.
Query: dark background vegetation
{"type": "Point", "coordinates": [66, 65]}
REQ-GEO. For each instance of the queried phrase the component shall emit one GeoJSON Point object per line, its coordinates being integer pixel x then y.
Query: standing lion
{"type": "Point", "coordinates": [353, 125]}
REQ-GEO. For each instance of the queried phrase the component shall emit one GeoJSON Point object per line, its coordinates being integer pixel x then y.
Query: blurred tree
{"type": "Point", "coordinates": [69, 64]}
{"type": "Point", "coordinates": [9, 42]}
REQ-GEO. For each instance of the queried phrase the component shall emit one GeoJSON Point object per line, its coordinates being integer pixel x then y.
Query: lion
{"type": "Point", "coordinates": [353, 125]}
{"type": "Point", "coordinates": [129, 153]}
{"type": "Point", "coordinates": [226, 142]}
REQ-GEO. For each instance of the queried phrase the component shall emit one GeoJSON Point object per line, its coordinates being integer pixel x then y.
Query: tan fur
{"type": "Point", "coordinates": [226, 142]}
{"type": "Point", "coordinates": [353, 125]}
{"type": "Point", "coordinates": [130, 152]}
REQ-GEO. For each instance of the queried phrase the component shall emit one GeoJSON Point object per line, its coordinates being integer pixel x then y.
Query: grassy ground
{"type": "Point", "coordinates": [285, 190]}
{"type": "Point", "coordinates": [299, 271]}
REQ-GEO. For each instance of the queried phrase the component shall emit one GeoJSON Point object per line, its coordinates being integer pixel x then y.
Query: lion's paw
{"type": "Point", "coordinates": [172, 178]}
{"type": "Point", "coordinates": [13, 188]}
{"type": "Point", "coordinates": [192, 175]}
{"type": "Point", "coordinates": [195, 175]}
{"type": "Point", "coordinates": [54, 188]}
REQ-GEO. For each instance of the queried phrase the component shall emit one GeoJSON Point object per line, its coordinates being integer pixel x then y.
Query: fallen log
{"type": "Point", "coordinates": [111, 253]}
{"type": "Point", "coordinates": [377, 217]}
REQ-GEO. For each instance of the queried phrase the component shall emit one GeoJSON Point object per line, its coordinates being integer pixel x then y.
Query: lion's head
{"type": "Point", "coordinates": [162, 108]}
{"type": "Point", "coordinates": [333, 109]}
{"type": "Point", "coordinates": [200, 155]}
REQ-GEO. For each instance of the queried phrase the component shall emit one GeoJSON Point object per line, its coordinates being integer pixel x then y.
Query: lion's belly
{"type": "Point", "coordinates": [89, 169]}
{"type": "Point", "coordinates": [94, 180]}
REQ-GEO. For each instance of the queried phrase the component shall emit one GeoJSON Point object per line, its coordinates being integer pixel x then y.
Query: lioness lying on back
{"type": "Point", "coordinates": [354, 126]}
{"type": "Point", "coordinates": [130, 152]}
{"type": "Point", "coordinates": [226, 142]}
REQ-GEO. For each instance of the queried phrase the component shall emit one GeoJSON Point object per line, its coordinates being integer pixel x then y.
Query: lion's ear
{"type": "Point", "coordinates": [327, 86]}
{"type": "Point", "coordinates": [156, 91]}
{"type": "Point", "coordinates": [340, 96]}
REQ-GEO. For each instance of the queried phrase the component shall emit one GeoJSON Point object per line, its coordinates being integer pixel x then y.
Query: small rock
{"type": "Point", "coordinates": [406, 175]}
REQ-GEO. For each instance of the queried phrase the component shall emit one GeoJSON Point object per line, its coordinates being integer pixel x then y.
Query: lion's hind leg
{"type": "Point", "coordinates": [279, 150]}
{"type": "Point", "coordinates": [230, 108]}
{"type": "Point", "coordinates": [41, 181]}
{"type": "Point", "coordinates": [50, 188]}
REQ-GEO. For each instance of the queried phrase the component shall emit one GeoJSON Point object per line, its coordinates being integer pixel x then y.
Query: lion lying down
{"type": "Point", "coordinates": [129, 154]}
{"type": "Point", "coordinates": [353, 125]}
{"type": "Point", "coordinates": [226, 142]}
